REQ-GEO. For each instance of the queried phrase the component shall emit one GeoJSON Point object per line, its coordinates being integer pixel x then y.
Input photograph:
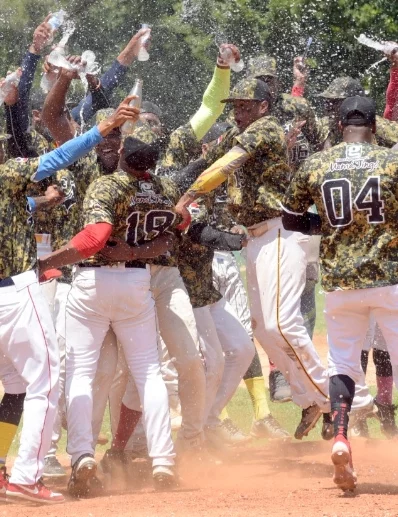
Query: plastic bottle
{"type": "Point", "coordinates": [10, 81]}
{"type": "Point", "coordinates": [385, 46]}
{"type": "Point", "coordinates": [56, 58]}
{"type": "Point", "coordinates": [143, 54]}
{"type": "Point", "coordinates": [227, 55]}
{"type": "Point", "coordinates": [128, 127]}
{"type": "Point", "coordinates": [57, 19]}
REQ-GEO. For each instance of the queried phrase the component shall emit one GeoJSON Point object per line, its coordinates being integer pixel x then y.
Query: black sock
{"type": "Point", "coordinates": [382, 363]}
{"type": "Point", "coordinates": [364, 360]}
{"type": "Point", "coordinates": [342, 390]}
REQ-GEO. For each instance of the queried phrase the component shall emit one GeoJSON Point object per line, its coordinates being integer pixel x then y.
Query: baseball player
{"type": "Point", "coordinates": [105, 294]}
{"type": "Point", "coordinates": [30, 362]}
{"type": "Point", "coordinates": [253, 159]}
{"type": "Point", "coordinates": [353, 186]}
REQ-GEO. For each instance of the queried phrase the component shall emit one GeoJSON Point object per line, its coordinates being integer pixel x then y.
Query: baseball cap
{"type": "Point", "coordinates": [151, 107]}
{"type": "Point", "coordinates": [358, 111]}
{"type": "Point", "coordinates": [262, 65]}
{"type": "Point", "coordinates": [140, 155]}
{"type": "Point", "coordinates": [343, 87]}
{"type": "Point", "coordinates": [250, 90]}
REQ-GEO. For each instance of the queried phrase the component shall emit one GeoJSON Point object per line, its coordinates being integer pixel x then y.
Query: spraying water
{"type": "Point", "coordinates": [383, 46]}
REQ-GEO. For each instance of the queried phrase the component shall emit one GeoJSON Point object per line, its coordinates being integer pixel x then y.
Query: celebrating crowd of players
{"type": "Point", "coordinates": [140, 303]}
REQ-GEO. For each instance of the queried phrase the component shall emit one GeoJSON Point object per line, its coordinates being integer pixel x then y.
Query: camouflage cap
{"type": "Point", "coordinates": [261, 65]}
{"type": "Point", "coordinates": [144, 133]}
{"type": "Point", "coordinates": [343, 87]}
{"type": "Point", "coordinates": [103, 114]}
{"type": "Point", "coordinates": [250, 90]}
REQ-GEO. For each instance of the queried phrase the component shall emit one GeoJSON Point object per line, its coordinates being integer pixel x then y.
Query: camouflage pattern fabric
{"type": "Point", "coordinates": [262, 65]}
{"type": "Point", "coordinates": [139, 209]}
{"type": "Point", "coordinates": [355, 190]}
{"type": "Point", "coordinates": [195, 264]}
{"type": "Point", "coordinates": [183, 147]}
{"type": "Point", "coordinates": [250, 89]}
{"type": "Point", "coordinates": [386, 132]}
{"type": "Point", "coordinates": [18, 250]}
{"type": "Point", "coordinates": [256, 189]}
{"type": "Point", "coordinates": [343, 87]}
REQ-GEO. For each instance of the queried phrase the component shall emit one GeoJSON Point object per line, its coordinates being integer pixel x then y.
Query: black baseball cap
{"type": "Point", "coordinates": [139, 155]}
{"type": "Point", "coordinates": [358, 111]}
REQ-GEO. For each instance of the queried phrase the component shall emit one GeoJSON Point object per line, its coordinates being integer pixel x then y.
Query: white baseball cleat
{"type": "Point", "coordinates": [344, 474]}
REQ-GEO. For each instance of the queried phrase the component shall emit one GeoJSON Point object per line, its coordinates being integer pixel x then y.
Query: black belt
{"type": "Point", "coordinates": [7, 282]}
{"type": "Point", "coordinates": [139, 265]}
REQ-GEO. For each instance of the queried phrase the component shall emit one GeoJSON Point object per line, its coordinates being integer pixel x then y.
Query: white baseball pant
{"type": "Point", "coordinates": [228, 352]}
{"type": "Point", "coordinates": [228, 282]}
{"type": "Point", "coordinates": [29, 361]}
{"type": "Point", "coordinates": [176, 324]}
{"type": "Point", "coordinates": [276, 275]}
{"type": "Point", "coordinates": [348, 315]}
{"type": "Point", "coordinates": [118, 297]}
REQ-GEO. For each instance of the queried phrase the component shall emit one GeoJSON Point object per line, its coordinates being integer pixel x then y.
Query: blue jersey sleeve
{"type": "Point", "coordinates": [67, 154]}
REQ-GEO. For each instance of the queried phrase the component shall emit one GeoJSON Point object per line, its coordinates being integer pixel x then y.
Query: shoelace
{"type": "Point", "coordinates": [231, 427]}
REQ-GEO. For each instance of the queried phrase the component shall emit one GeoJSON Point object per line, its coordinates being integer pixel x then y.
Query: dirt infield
{"type": "Point", "coordinates": [291, 480]}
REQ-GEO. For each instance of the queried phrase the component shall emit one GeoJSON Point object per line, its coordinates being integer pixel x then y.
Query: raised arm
{"type": "Point", "coordinates": [99, 98]}
{"type": "Point", "coordinates": [391, 110]}
{"type": "Point", "coordinates": [17, 113]}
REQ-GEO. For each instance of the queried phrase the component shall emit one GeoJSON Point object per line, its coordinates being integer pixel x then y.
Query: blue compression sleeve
{"type": "Point", "coordinates": [67, 154]}
{"type": "Point", "coordinates": [109, 81]}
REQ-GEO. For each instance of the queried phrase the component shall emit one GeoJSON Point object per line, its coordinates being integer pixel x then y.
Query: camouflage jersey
{"type": "Point", "coordinates": [140, 209]}
{"type": "Point", "coordinates": [386, 132]}
{"type": "Point", "coordinates": [182, 148]}
{"type": "Point", "coordinates": [290, 109]}
{"type": "Point", "coordinates": [65, 220]}
{"type": "Point", "coordinates": [18, 249]}
{"type": "Point", "coordinates": [195, 263]}
{"type": "Point", "coordinates": [355, 190]}
{"type": "Point", "coordinates": [256, 189]}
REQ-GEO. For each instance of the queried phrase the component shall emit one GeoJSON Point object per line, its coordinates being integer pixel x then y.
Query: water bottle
{"type": "Point", "coordinates": [143, 54]}
{"type": "Point", "coordinates": [10, 81]}
{"type": "Point", "coordinates": [128, 126]}
{"type": "Point", "coordinates": [227, 55]}
{"type": "Point", "coordinates": [57, 19]}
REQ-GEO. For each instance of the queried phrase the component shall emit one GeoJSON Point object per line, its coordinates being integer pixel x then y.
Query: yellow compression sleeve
{"type": "Point", "coordinates": [217, 173]}
{"type": "Point", "coordinates": [211, 107]}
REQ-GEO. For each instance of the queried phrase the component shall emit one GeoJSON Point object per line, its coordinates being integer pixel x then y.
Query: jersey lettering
{"type": "Point", "coordinates": [155, 223]}
{"type": "Point", "coordinates": [337, 199]}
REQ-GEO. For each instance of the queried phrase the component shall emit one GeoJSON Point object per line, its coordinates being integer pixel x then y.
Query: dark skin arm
{"type": "Point", "coordinates": [51, 198]}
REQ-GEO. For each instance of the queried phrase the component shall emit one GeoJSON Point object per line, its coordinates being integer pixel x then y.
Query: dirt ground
{"type": "Point", "coordinates": [289, 480]}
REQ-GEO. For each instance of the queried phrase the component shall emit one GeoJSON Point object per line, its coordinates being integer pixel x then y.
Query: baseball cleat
{"type": "Point", "coordinates": [309, 419]}
{"type": "Point", "coordinates": [279, 388]}
{"type": "Point", "coordinates": [270, 428]}
{"type": "Point", "coordinates": [327, 431]}
{"type": "Point", "coordinates": [344, 475]}
{"type": "Point", "coordinates": [37, 493]}
{"type": "Point", "coordinates": [83, 471]}
{"type": "Point", "coordinates": [232, 434]}
{"type": "Point", "coordinates": [53, 468]}
{"type": "Point", "coordinates": [358, 425]}
{"type": "Point", "coordinates": [386, 414]}
{"type": "Point", "coordinates": [164, 478]}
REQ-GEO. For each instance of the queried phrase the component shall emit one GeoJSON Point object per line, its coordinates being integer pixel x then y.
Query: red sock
{"type": "Point", "coordinates": [128, 421]}
{"type": "Point", "coordinates": [385, 386]}
{"type": "Point", "coordinates": [272, 366]}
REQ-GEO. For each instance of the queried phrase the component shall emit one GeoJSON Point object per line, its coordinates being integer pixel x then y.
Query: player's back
{"type": "Point", "coordinates": [355, 190]}
{"type": "Point", "coordinates": [140, 209]}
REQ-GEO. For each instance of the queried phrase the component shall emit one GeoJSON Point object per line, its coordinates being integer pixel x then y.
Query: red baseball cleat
{"type": "Point", "coordinates": [344, 474]}
{"type": "Point", "coordinates": [37, 493]}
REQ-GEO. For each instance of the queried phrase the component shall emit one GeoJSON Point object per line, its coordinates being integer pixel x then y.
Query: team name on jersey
{"type": "Point", "coordinates": [147, 196]}
{"type": "Point", "coordinates": [342, 164]}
